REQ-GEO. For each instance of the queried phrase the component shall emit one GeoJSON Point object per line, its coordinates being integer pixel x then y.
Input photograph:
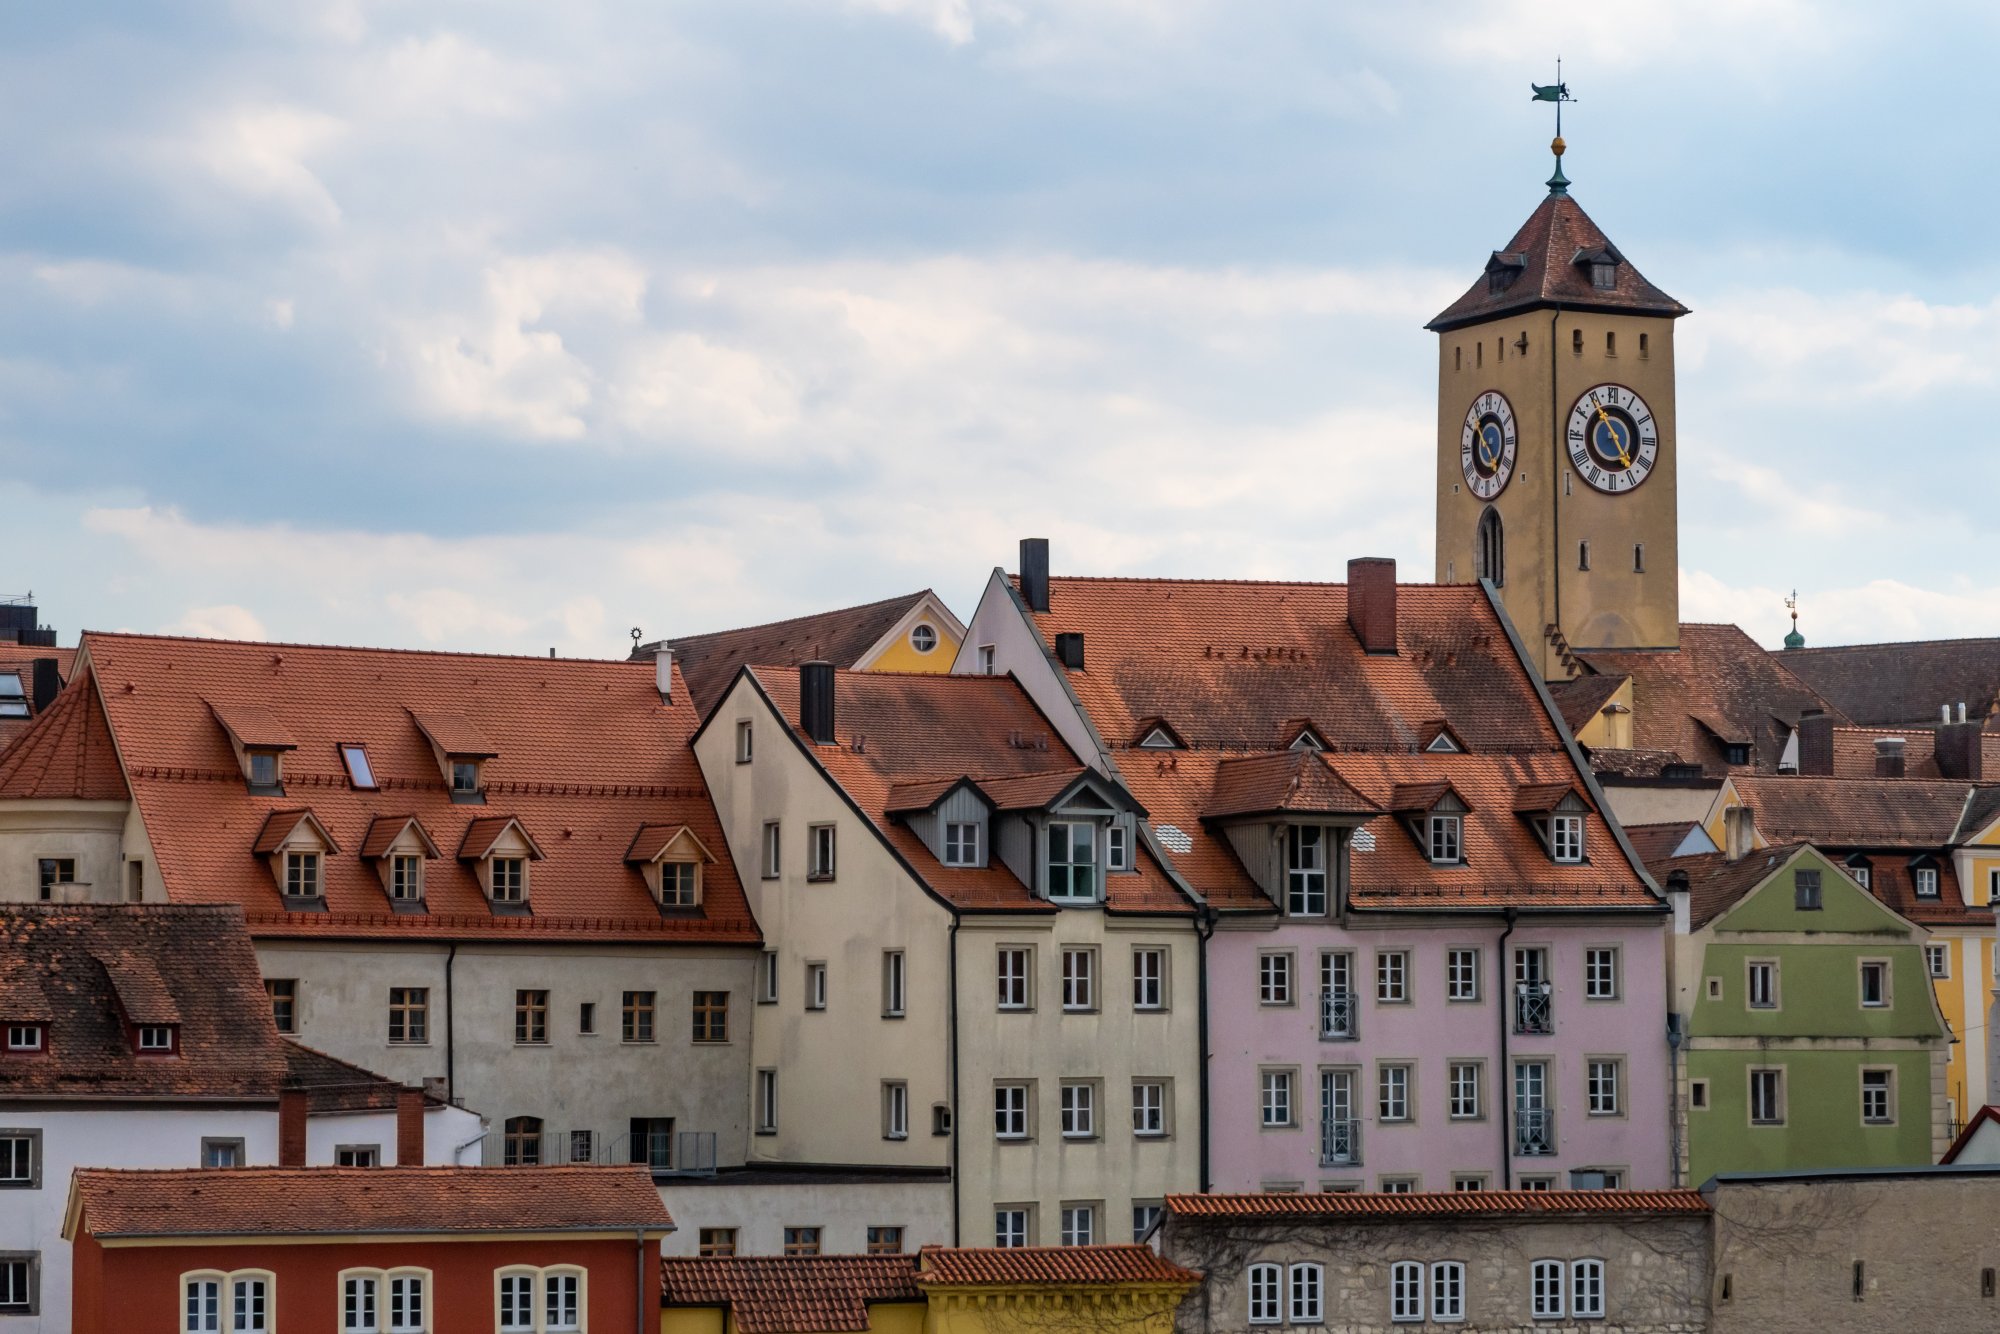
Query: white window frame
{"type": "Point", "coordinates": [816, 984]}
{"type": "Point", "coordinates": [1586, 1289]}
{"type": "Point", "coordinates": [1761, 984]}
{"type": "Point", "coordinates": [767, 978]}
{"type": "Point", "coordinates": [1079, 1224]}
{"type": "Point", "coordinates": [1461, 968]}
{"type": "Point", "coordinates": [396, 1292]}
{"type": "Point", "coordinates": [895, 1109]}
{"type": "Point", "coordinates": [361, 1301]}
{"type": "Point", "coordinates": [1086, 869]}
{"type": "Point", "coordinates": [1149, 978]}
{"type": "Point", "coordinates": [1277, 1100]}
{"type": "Point", "coordinates": [767, 1101]}
{"type": "Point", "coordinates": [1887, 1089]}
{"type": "Point", "coordinates": [1274, 978]}
{"type": "Point", "coordinates": [1603, 1078]}
{"type": "Point", "coordinates": [202, 1309]}
{"type": "Point", "coordinates": [961, 843]}
{"type": "Point", "coordinates": [1010, 1226]}
{"type": "Point", "coordinates": [1392, 977]}
{"type": "Point", "coordinates": [895, 984]}
{"type": "Point", "coordinates": [1925, 881]}
{"type": "Point", "coordinates": [772, 850]}
{"type": "Point", "coordinates": [1266, 1286]}
{"type": "Point", "coordinates": [1465, 1098]}
{"type": "Point", "coordinates": [1600, 972]}
{"type": "Point", "coordinates": [1447, 1292]}
{"type": "Point", "coordinates": [1776, 1076]}
{"type": "Point", "coordinates": [821, 852]}
{"type": "Point", "coordinates": [1014, 973]}
{"type": "Point", "coordinates": [1444, 839]}
{"type": "Point", "coordinates": [1878, 968]}
{"type": "Point", "coordinates": [1937, 960]}
{"type": "Point", "coordinates": [1406, 1292]}
{"type": "Point", "coordinates": [746, 740]}
{"type": "Point", "coordinates": [1149, 1108]}
{"type": "Point", "coordinates": [1079, 979]}
{"type": "Point", "coordinates": [1077, 1101]}
{"type": "Point", "coordinates": [1012, 1104]}
{"type": "Point", "coordinates": [1392, 1092]}
{"type": "Point", "coordinates": [1305, 1294]}
{"type": "Point", "coordinates": [1566, 839]}
{"type": "Point", "coordinates": [1305, 870]}
{"type": "Point", "coordinates": [1548, 1287]}
{"type": "Point", "coordinates": [1117, 847]}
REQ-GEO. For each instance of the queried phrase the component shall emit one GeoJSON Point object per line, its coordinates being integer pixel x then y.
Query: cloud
{"type": "Point", "coordinates": [1876, 611]}
{"type": "Point", "coordinates": [225, 622]}
{"type": "Point", "coordinates": [260, 153]}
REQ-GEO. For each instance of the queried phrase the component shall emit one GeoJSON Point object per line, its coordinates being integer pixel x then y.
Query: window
{"type": "Point", "coordinates": [1466, 1182]}
{"type": "Point", "coordinates": [1010, 1226]}
{"type": "Point", "coordinates": [923, 638]}
{"type": "Point", "coordinates": [767, 978]}
{"type": "Point", "coordinates": [531, 1017]}
{"type": "Point", "coordinates": [649, 1141]}
{"type": "Point", "coordinates": [1149, 979]}
{"type": "Point", "coordinates": [464, 777]}
{"type": "Point", "coordinates": [1583, 555]}
{"type": "Point", "coordinates": [510, 879]}
{"type": "Point", "coordinates": [680, 885]}
{"type": "Point", "coordinates": [1927, 882]}
{"type": "Point", "coordinates": [961, 843]}
{"type": "Point", "coordinates": [1274, 979]}
{"type": "Point", "coordinates": [1406, 1291]}
{"type": "Point", "coordinates": [772, 865]}
{"type": "Point", "coordinates": [1397, 1185]}
{"type": "Point", "coordinates": [1149, 1108]}
{"type": "Point", "coordinates": [222, 1153]}
{"type": "Point", "coordinates": [1937, 960]}
{"type": "Point", "coordinates": [583, 1146]}
{"type": "Point", "coordinates": [409, 1015]}
{"type": "Point", "coordinates": [1392, 977]}
{"type": "Point", "coordinates": [156, 1038]}
{"type": "Point", "coordinates": [767, 1102]}
{"type": "Point", "coordinates": [986, 660]}
{"type": "Point", "coordinates": [20, 1159]}
{"type": "Point", "coordinates": [201, 1302]}
{"type": "Point", "coordinates": [53, 871]}
{"type": "Point", "coordinates": [1993, 886]}
{"type": "Point", "coordinates": [586, 1017]}
{"type": "Point", "coordinates": [517, 1302]}
{"type": "Point", "coordinates": [1863, 873]}
{"type": "Point", "coordinates": [1275, 1097]}
{"type": "Point", "coordinates": [815, 986]}
{"type": "Point", "coordinates": [1461, 969]}
{"type": "Point", "coordinates": [359, 772]}
{"type": "Point", "coordinates": [1600, 973]}
{"type": "Point", "coordinates": [1117, 848]}
{"type": "Point", "coordinates": [406, 878]}
{"type": "Point", "coordinates": [1079, 1111]}
{"type": "Point", "coordinates": [1698, 1094]}
{"type": "Point", "coordinates": [801, 1241]}
{"type": "Point", "coordinates": [1013, 975]}
{"type": "Point", "coordinates": [711, 1017]}
{"type": "Point", "coordinates": [1072, 860]}
{"type": "Point", "coordinates": [302, 875]}
{"type": "Point", "coordinates": [562, 1302]}
{"type": "Point", "coordinates": [1444, 838]}
{"type": "Point", "coordinates": [1874, 983]}
{"type": "Point", "coordinates": [895, 1109]}
{"type": "Point", "coordinates": [885, 1241]}
{"type": "Point", "coordinates": [637, 1019]}
{"type": "Point", "coordinates": [1307, 1288]}
{"type": "Point", "coordinates": [359, 1310]}
{"type": "Point", "coordinates": [263, 768]}
{"type": "Point", "coordinates": [1338, 1003]}
{"type": "Point", "coordinates": [13, 698]}
{"type": "Point", "coordinates": [1489, 556]}
{"type": "Point", "coordinates": [1639, 548]}
{"type": "Point", "coordinates": [1602, 1087]}
{"type": "Point", "coordinates": [1305, 870]}
{"type": "Point", "coordinates": [1535, 1183]}
{"type": "Point", "coordinates": [1805, 891]}
{"type": "Point", "coordinates": [1079, 973]}
{"type": "Point", "coordinates": [1547, 1289]}
{"type": "Point", "coordinates": [1767, 1097]}
{"type": "Point", "coordinates": [1447, 1291]}
{"type": "Point", "coordinates": [406, 1303]}
{"type": "Point", "coordinates": [744, 740]}
{"type": "Point", "coordinates": [135, 881]}
{"type": "Point", "coordinates": [819, 852]}
{"type": "Point", "coordinates": [1079, 1225]}
{"type": "Point", "coordinates": [1465, 1099]}
{"type": "Point", "coordinates": [26, 1037]}
{"type": "Point", "coordinates": [284, 996]}
{"type": "Point", "coordinates": [1010, 1111]}
{"type": "Point", "coordinates": [1604, 277]}
{"type": "Point", "coordinates": [1392, 1093]}
{"type": "Point", "coordinates": [1266, 1294]}
{"type": "Point", "coordinates": [1144, 1216]}
{"type": "Point", "coordinates": [357, 1155]}
{"type": "Point", "coordinates": [1586, 1289]}
{"type": "Point", "coordinates": [893, 988]}
{"type": "Point", "coordinates": [940, 1119]}
{"type": "Point", "coordinates": [1878, 1097]}
{"type": "Point", "coordinates": [718, 1241]}
{"type": "Point", "coordinates": [1763, 978]}
{"type": "Point", "coordinates": [521, 1145]}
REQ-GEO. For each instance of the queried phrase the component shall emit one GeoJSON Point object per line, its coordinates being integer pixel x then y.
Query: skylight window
{"type": "Point", "coordinates": [359, 772]}
{"type": "Point", "coordinates": [13, 700]}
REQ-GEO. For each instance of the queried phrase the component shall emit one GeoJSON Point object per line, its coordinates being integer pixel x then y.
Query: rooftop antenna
{"type": "Point", "coordinates": [1557, 92]}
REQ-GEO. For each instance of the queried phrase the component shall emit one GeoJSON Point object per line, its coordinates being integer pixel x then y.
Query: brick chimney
{"type": "Point", "coordinates": [1889, 757]}
{"type": "Point", "coordinates": [292, 1107]}
{"type": "Point", "coordinates": [409, 1127]}
{"type": "Point", "coordinates": [1816, 742]}
{"type": "Point", "coordinates": [1371, 602]}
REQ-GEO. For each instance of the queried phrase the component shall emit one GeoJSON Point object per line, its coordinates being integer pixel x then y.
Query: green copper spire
{"type": "Point", "coordinates": [1558, 93]}
{"type": "Point", "coordinates": [1794, 639]}
{"type": "Point", "coordinates": [1558, 183]}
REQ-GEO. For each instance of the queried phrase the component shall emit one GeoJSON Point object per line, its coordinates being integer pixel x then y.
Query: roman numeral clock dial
{"type": "Point", "coordinates": [1486, 445]}
{"type": "Point", "coordinates": [1611, 438]}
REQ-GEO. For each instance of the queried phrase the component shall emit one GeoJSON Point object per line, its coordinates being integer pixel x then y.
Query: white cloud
{"type": "Point", "coordinates": [261, 153]}
{"type": "Point", "coordinates": [224, 622]}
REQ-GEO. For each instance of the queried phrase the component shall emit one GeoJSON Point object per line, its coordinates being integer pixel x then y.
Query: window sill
{"type": "Point", "coordinates": [705, 1042]}
{"type": "Point", "coordinates": [393, 1042]}
{"type": "Point", "coordinates": [893, 1014]}
{"type": "Point", "coordinates": [634, 1042]}
{"type": "Point", "coordinates": [825, 879]}
{"type": "Point", "coordinates": [903, 1136]}
{"type": "Point", "coordinates": [771, 1131]}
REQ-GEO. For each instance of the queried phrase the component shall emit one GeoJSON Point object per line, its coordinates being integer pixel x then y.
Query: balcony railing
{"type": "Point", "coordinates": [1339, 1016]}
{"type": "Point", "coordinates": [1534, 1010]}
{"type": "Point", "coordinates": [667, 1153]}
{"type": "Point", "coordinates": [1340, 1144]}
{"type": "Point", "coordinates": [1534, 1132]}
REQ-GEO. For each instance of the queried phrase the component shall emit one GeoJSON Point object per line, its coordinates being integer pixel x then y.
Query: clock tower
{"type": "Point", "coordinates": [1557, 454]}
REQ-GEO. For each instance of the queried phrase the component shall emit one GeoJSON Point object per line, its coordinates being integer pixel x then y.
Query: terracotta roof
{"type": "Point", "coordinates": [990, 1266]}
{"type": "Point", "coordinates": [1546, 272]}
{"type": "Point", "coordinates": [334, 1085]}
{"type": "Point", "coordinates": [1582, 698]}
{"type": "Point", "coordinates": [66, 752]}
{"type": "Point", "coordinates": [384, 830]}
{"type": "Point", "coordinates": [1910, 813]}
{"type": "Point", "coordinates": [1854, 751]}
{"type": "Point", "coordinates": [1033, 792]}
{"type": "Point", "coordinates": [710, 662]}
{"type": "Point", "coordinates": [586, 754]}
{"type": "Point", "coordinates": [1903, 685]}
{"type": "Point", "coordinates": [252, 725]}
{"type": "Point", "coordinates": [1716, 884]}
{"type": "Point", "coordinates": [1893, 880]}
{"type": "Point", "coordinates": [453, 733]}
{"type": "Point", "coordinates": [1719, 683]}
{"type": "Point", "coordinates": [483, 833]}
{"type": "Point", "coordinates": [20, 659]}
{"type": "Point", "coordinates": [1657, 842]}
{"type": "Point", "coordinates": [650, 840]}
{"type": "Point", "coordinates": [1358, 1205]}
{"type": "Point", "coordinates": [1405, 798]}
{"type": "Point", "coordinates": [1541, 798]}
{"type": "Point", "coordinates": [1287, 780]}
{"type": "Point", "coordinates": [791, 1294]}
{"type": "Point", "coordinates": [894, 730]}
{"type": "Point", "coordinates": [188, 965]}
{"type": "Point", "coordinates": [280, 825]}
{"type": "Point", "coordinates": [362, 1201]}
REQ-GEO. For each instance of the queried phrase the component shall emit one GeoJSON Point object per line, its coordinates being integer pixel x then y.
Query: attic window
{"type": "Point", "coordinates": [1444, 744]}
{"type": "Point", "coordinates": [509, 879]}
{"type": "Point", "coordinates": [265, 772]}
{"type": "Point", "coordinates": [302, 875]}
{"type": "Point", "coordinates": [1307, 739]}
{"type": "Point", "coordinates": [27, 1037]}
{"type": "Point", "coordinates": [406, 878]}
{"type": "Point", "coordinates": [923, 638]}
{"type": "Point", "coordinates": [1861, 869]}
{"type": "Point", "coordinates": [13, 700]}
{"type": "Point", "coordinates": [359, 771]}
{"type": "Point", "coordinates": [1603, 274]}
{"type": "Point", "coordinates": [464, 778]}
{"type": "Point", "coordinates": [1444, 836]}
{"type": "Point", "coordinates": [680, 885]}
{"type": "Point", "coordinates": [1736, 752]}
{"type": "Point", "coordinates": [1926, 878]}
{"type": "Point", "coordinates": [1159, 739]}
{"type": "Point", "coordinates": [1566, 838]}
{"type": "Point", "coordinates": [159, 1039]}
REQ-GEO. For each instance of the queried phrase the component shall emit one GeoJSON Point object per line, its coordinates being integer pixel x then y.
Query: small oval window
{"type": "Point", "coordinates": [923, 639]}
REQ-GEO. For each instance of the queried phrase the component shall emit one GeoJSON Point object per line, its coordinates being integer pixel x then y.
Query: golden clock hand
{"type": "Point", "coordinates": [1624, 459]}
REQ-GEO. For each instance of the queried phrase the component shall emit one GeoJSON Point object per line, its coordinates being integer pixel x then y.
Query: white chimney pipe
{"type": "Point", "coordinates": [663, 672]}
{"type": "Point", "coordinates": [1961, 710]}
{"type": "Point", "coordinates": [1944, 713]}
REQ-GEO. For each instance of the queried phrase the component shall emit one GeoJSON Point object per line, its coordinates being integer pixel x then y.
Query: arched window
{"type": "Point", "coordinates": [1266, 1301]}
{"type": "Point", "coordinates": [1490, 549]}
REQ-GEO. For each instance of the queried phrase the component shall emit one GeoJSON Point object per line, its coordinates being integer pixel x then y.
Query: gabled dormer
{"type": "Point", "coordinates": [400, 848]}
{"type": "Point", "coordinates": [462, 752]}
{"type": "Point", "coordinates": [1503, 268]}
{"type": "Point", "coordinates": [671, 859]}
{"type": "Point", "coordinates": [1157, 733]}
{"type": "Point", "coordinates": [499, 848]}
{"type": "Point", "coordinates": [952, 816]}
{"type": "Point", "coordinates": [25, 1012]}
{"type": "Point", "coordinates": [1600, 265]}
{"type": "Point", "coordinates": [1437, 737]}
{"type": "Point", "coordinates": [1300, 734]}
{"type": "Point", "coordinates": [1055, 831]}
{"type": "Point", "coordinates": [146, 1008]}
{"type": "Point", "coordinates": [1926, 876]}
{"type": "Point", "coordinates": [295, 846]}
{"type": "Point", "coordinates": [1289, 815]}
{"type": "Point", "coordinates": [1434, 814]}
{"type": "Point", "coordinates": [1556, 812]}
{"type": "Point", "coordinates": [260, 742]}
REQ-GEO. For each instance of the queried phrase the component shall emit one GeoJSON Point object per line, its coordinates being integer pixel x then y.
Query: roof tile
{"type": "Point", "coordinates": [710, 662]}
{"type": "Point", "coordinates": [1547, 247]}
{"type": "Point", "coordinates": [789, 1294]}
{"type": "Point", "coordinates": [1359, 1205]}
{"type": "Point", "coordinates": [987, 1266]}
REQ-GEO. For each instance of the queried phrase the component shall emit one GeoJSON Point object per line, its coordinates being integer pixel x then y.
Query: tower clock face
{"type": "Point", "coordinates": [1611, 438]}
{"type": "Point", "coordinates": [1486, 445]}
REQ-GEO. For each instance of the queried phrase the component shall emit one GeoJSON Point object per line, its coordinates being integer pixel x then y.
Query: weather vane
{"type": "Point", "coordinates": [1794, 639]}
{"type": "Point", "coordinates": [1557, 92]}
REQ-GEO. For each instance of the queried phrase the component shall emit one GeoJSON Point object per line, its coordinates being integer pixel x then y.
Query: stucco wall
{"type": "Point", "coordinates": [92, 832]}
{"type": "Point", "coordinates": [842, 1210]}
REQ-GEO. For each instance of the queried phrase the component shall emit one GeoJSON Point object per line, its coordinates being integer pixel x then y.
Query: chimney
{"type": "Point", "coordinates": [1960, 752]}
{"type": "Point", "coordinates": [1739, 827]}
{"type": "Point", "coordinates": [1035, 573]}
{"type": "Point", "coordinates": [1961, 710]}
{"type": "Point", "coordinates": [1371, 602]}
{"type": "Point", "coordinates": [47, 683]}
{"type": "Point", "coordinates": [1682, 900]}
{"type": "Point", "coordinates": [1069, 650]}
{"type": "Point", "coordinates": [816, 701]}
{"type": "Point", "coordinates": [663, 672]}
{"type": "Point", "coordinates": [1816, 742]}
{"type": "Point", "coordinates": [409, 1127]}
{"type": "Point", "coordinates": [1888, 757]}
{"type": "Point", "coordinates": [292, 1104]}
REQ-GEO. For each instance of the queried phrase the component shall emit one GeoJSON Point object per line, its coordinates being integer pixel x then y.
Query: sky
{"type": "Point", "coordinates": [514, 326]}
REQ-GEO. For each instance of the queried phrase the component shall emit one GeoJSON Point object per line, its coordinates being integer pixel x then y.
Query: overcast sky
{"type": "Point", "coordinates": [517, 325]}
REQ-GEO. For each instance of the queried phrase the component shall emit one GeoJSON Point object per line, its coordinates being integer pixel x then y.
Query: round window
{"type": "Point", "coordinates": [923, 639]}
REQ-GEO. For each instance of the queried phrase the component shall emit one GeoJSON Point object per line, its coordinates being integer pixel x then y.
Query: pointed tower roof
{"type": "Point", "coordinates": [1549, 263]}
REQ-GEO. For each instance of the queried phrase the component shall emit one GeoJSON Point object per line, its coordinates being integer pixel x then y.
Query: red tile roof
{"type": "Point", "coordinates": [1854, 751]}
{"type": "Point", "coordinates": [66, 752]}
{"type": "Point", "coordinates": [1903, 685]}
{"type": "Point", "coordinates": [1283, 781]}
{"type": "Point", "coordinates": [1855, 812]}
{"type": "Point", "coordinates": [791, 1294]}
{"type": "Point", "coordinates": [1583, 698]}
{"type": "Point", "coordinates": [252, 725]}
{"type": "Point", "coordinates": [280, 825]}
{"type": "Point", "coordinates": [586, 754]}
{"type": "Point", "coordinates": [1058, 1266]}
{"type": "Point", "coordinates": [453, 733]}
{"type": "Point", "coordinates": [334, 1085]}
{"type": "Point", "coordinates": [1363, 1206]}
{"type": "Point", "coordinates": [1657, 842]}
{"type": "Point", "coordinates": [1543, 255]}
{"type": "Point", "coordinates": [710, 662]}
{"type": "Point", "coordinates": [1716, 884]}
{"type": "Point", "coordinates": [19, 659]}
{"type": "Point", "coordinates": [384, 830]}
{"type": "Point", "coordinates": [363, 1201]}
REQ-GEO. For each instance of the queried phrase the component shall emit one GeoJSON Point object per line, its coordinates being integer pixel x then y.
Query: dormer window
{"type": "Point", "coordinates": [465, 778]}
{"type": "Point", "coordinates": [398, 846]}
{"type": "Point", "coordinates": [680, 885]}
{"type": "Point", "coordinates": [406, 877]}
{"type": "Point", "coordinates": [509, 879]}
{"type": "Point", "coordinates": [961, 843]}
{"type": "Point", "coordinates": [13, 699]}
{"type": "Point", "coordinates": [1862, 870]}
{"type": "Point", "coordinates": [1305, 870]}
{"type": "Point", "coordinates": [1926, 879]}
{"type": "Point", "coordinates": [302, 875]}
{"type": "Point", "coordinates": [1157, 733]}
{"type": "Point", "coordinates": [293, 843]}
{"type": "Point", "coordinates": [158, 1039]}
{"type": "Point", "coordinates": [1736, 752]}
{"type": "Point", "coordinates": [1118, 848]}
{"type": "Point", "coordinates": [1444, 837]}
{"type": "Point", "coordinates": [1603, 274]}
{"type": "Point", "coordinates": [264, 770]}
{"type": "Point", "coordinates": [671, 859]}
{"type": "Point", "coordinates": [461, 751]}
{"type": "Point", "coordinates": [502, 847]}
{"type": "Point", "coordinates": [1566, 838]}
{"type": "Point", "coordinates": [1072, 860]}
{"type": "Point", "coordinates": [1300, 734]}
{"type": "Point", "coordinates": [27, 1039]}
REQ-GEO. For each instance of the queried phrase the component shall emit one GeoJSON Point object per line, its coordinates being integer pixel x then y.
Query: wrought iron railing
{"type": "Point", "coordinates": [666, 1152]}
{"type": "Point", "coordinates": [1534, 1132]}
{"type": "Point", "coordinates": [1534, 1008]}
{"type": "Point", "coordinates": [1340, 1143]}
{"type": "Point", "coordinates": [1339, 1016]}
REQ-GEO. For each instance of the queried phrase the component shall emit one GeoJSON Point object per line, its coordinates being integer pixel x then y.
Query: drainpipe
{"type": "Point", "coordinates": [952, 1056]}
{"type": "Point", "coordinates": [1204, 925]}
{"type": "Point", "coordinates": [1506, 1075]}
{"type": "Point", "coordinates": [450, 1023]}
{"type": "Point", "coordinates": [1674, 1095]}
{"type": "Point", "coordinates": [639, 1283]}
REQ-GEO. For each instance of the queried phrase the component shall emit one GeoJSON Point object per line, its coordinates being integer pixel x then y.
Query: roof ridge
{"type": "Point", "coordinates": [350, 648]}
{"type": "Point", "coordinates": [1463, 590]}
{"type": "Point", "coordinates": [803, 616]}
{"type": "Point", "coordinates": [1890, 643]}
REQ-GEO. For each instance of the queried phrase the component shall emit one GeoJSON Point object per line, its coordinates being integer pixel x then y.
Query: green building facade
{"type": "Point", "coordinates": [1812, 1036]}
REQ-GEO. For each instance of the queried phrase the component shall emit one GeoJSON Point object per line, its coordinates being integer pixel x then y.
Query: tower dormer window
{"type": "Point", "coordinates": [1603, 274]}
{"type": "Point", "coordinates": [1072, 860]}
